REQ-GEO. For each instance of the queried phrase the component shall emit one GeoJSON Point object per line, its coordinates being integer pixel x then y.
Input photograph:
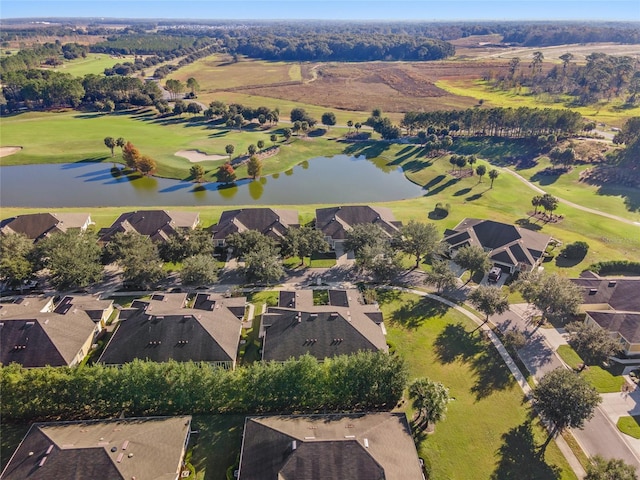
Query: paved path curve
{"type": "Point", "coordinates": [571, 204]}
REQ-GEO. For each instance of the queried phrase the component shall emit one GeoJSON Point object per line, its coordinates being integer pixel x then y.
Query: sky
{"type": "Point", "coordinates": [426, 10]}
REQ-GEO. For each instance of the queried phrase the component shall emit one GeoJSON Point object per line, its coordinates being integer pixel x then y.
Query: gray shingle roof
{"type": "Point", "coordinates": [322, 331]}
{"type": "Point", "coordinates": [34, 335]}
{"type": "Point", "coordinates": [141, 448]}
{"type": "Point", "coordinates": [161, 329]}
{"type": "Point", "coordinates": [507, 243]}
{"type": "Point", "coordinates": [627, 324]}
{"type": "Point", "coordinates": [618, 293]}
{"type": "Point", "coordinates": [364, 446]}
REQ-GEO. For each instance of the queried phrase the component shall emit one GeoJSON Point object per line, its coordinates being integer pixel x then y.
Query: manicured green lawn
{"type": "Point", "coordinates": [488, 432]}
{"type": "Point", "coordinates": [630, 425]}
{"type": "Point", "coordinates": [602, 379]}
{"type": "Point", "coordinates": [94, 63]}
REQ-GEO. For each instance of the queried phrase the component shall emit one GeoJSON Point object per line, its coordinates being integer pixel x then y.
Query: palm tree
{"type": "Point", "coordinates": [430, 399]}
{"type": "Point", "coordinates": [111, 144]}
{"type": "Point", "coordinates": [536, 202]}
{"type": "Point", "coordinates": [350, 124]}
{"type": "Point", "coordinates": [493, 174]}
{"type": "Point", "coordinates": [273, 138]}
{"type": "Point", "coordinates": [480, 171]}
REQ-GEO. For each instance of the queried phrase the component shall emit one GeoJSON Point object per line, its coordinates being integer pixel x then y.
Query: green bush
{"type": "Point", "coordinates": [363, 381]}
{"type": "Point", "coordinates": [615, 266]}
{"type": "Point", "coordinates": [575, 251]}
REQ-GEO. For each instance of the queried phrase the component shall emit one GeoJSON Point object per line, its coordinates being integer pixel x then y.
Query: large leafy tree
{"type": "Point", "coordinates": [146, 165]}
{"type": "Point", "coordinates": [302, 242]}
{"type": "Point", "coordinates": [328, 119]}
{"type": "Point", "coordinates": [441, 276]}
{"type": "Point", "coordinates": [430, 399]}
{"type": "Point", "coordinates": [254, 167]}
{"type": "Point", "coordinates": [473, 258]}
{"type": "Point", "coordinates": [73, 259]}
{"type": "Point", "coordinates": [226, 173]}
{"type": "Point", "coordinates": [593, 344]}
{"type": "Point", "coordinates": [138, 257]}
{"type": "Point", "coordinates": [199, 270]}
{"type": "Point", "coordinates": [263, 266]}
{"type": "Point", "coordinates": [131, 155]}
{"type": "Point", "coordinates": [558, 298]}
{"type": "Point", "coordinates": [197, 172]}
{"type": "Point", "coordinates": [249, 241]}
{"type": "Point", "coordinates": [565, 399]}
{"type": "Point", "coordinates": [418, 239]}
{"type": "Point", "coordinates": [613, 469]}
{"type": "Point", "coordinates": [184, 244]}
{"type": "Point", "coordinates": [489, 300]}
{"type": "Point", "coordinates": [362, 235]}
{"type": "Point", "coordinates": [16, 258]}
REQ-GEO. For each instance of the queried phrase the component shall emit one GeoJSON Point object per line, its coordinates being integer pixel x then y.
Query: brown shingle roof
{"type": "Point", "coordinates": [618, 293]}
{"type": "Point", "coordinates": [627, 324]}
{"type": "Point", "coordinates": [38, 225]}
{"type": "Point", "coordinates": [271, 222]}
{"type": "Point", "coordinates": [363, 446]}
{"type": "Point", "coordinates": [335, 222]}
{"type": "Point", "coordinates": [158, 225]}
{"type": "Point", "coordinates": [141, 448]}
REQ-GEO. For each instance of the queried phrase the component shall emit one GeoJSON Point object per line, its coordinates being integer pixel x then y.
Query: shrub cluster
{"type": "Point", "coordinates": [363, 381]}
{"type": "Point", "coordinates": [615, 266]}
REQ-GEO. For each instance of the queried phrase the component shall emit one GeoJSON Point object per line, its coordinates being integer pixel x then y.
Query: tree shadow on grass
{"type": "Point", "coordinates": [528, 224]}
{"type": "Point", "coordinates": [434, 181]}
{"type": "Point", "coordinates": [368, 149]}
{"type": "Point", "coordinates": [442, 187]}
{"type": "Point", "coordinates": [461, 192]}
{"type": "Point", "coordinates": [492, 374]}
{"type": "Point", "coordinates": [520, 458]}
{"type": "Point", "coordinates": [456, 343]}
{"type": "Point", "coordinates": [475, 196]}
{"type": "Point", "coordinates": [412, 314]}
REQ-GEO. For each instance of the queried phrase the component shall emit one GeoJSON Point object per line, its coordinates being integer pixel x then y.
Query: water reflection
{"type": "Point", "coordinates": [339, 179]}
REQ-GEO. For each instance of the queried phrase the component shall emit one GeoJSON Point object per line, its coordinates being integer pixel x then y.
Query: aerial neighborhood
{"type": "Point", "coordinates": [316, 250]}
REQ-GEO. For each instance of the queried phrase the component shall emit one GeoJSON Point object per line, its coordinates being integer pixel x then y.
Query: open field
{"type": "Point", "coordinates": [610, 113]}
{"type": "Point", "coordinates": [94, 63]}
{"type": "Point", "coordinates": [487, 424]}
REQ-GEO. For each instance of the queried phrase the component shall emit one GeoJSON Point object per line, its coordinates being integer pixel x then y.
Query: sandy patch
{"type": "Point", "coordinates": [198, 156]}
{"type": "Point", "coordinates": [6, 151]}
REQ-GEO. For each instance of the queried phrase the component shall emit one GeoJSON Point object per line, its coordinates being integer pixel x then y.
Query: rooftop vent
{"type": "Point", "coordinates": [593, 291]}
{"type": "Point", "coordinates": [44, 459]}
{"type": "Point", "coordinates": [612, 283]}
{"type": "Point", "coordinates": [125, 444]}
{"type": "Point", "coordinates": [366, 443]}
{"type": "Point", "coordinates": [49, 450]}
{"type": "Point", "coordinates": [294, 445]}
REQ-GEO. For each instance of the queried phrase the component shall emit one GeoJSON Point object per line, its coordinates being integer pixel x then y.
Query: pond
{"type": "Point", "coordinates": [339, 179]}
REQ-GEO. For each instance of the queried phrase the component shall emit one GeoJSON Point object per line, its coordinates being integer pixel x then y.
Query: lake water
{"type": "Point", "coordinates": [339, 179]}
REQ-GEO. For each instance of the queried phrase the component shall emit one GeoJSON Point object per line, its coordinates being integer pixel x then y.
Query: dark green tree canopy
{"type": "Point", "coordinates": [489, 300]}
{"type": "Point", "coordinates": [419, 240]}
{"type": "Point", "coordinates": [473, 258]}
{"type": "Point", "coordinates": [138, 257]}
{"type": "Point", "coordinates": [199, 269]}
{"type": "Point", "coordinates": [593, 343]}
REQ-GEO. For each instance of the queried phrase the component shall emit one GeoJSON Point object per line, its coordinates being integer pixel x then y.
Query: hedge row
{"type": "Point", "coordinates": [615, 266]}
{"type": "Point", "coordinates": [364, 381]}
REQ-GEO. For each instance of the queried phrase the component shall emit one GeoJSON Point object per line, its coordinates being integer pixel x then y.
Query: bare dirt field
{"type": "Point", "coordinates": [6, 151]}
{"type": "Point", "coordinates": [393, 87]}
{"type": "Point", "coordinates": [196, 156]}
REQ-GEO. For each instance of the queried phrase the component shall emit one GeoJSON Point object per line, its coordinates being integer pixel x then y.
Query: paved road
{"type": "Point", "coordinates": [599, 436]}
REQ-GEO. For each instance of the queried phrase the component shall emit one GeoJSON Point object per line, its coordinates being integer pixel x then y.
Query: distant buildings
{"type": "Point", "coordinates": [158, 225]}
{"type": "Point", "coordinates": [272, 223]}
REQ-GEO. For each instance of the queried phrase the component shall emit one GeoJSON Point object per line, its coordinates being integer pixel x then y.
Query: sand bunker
{"type": "Point", "coordinates": [198, 156]}
{"type": "Point", "coordinates": [6, 151]}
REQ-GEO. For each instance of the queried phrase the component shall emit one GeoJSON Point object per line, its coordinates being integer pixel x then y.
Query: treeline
{"type": "Point", "coordinates": [48, 89]}
{"type": "Point", "coordinates": [47, 54]}
{"type": "Point", "coordinates": [342, 48]}
{"type": "Point", "coordinates": [364, 381]}
{"type": "Point", "coordinates": [152, 43]}
{"type": "Point", "coordinates": [519, 122]}
{"type": "Point", "coordinates": [548, 34]}
{"type": "Point", "coordinates": [602, 77]}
